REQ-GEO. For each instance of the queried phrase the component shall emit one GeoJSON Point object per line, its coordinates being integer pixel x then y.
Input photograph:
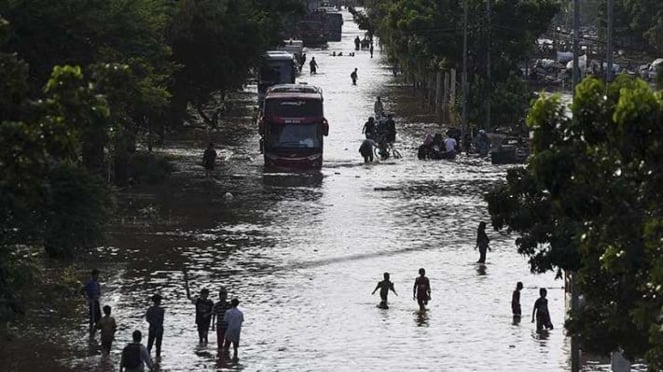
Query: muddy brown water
{"type": "Point", "coordinates": [303, 251]}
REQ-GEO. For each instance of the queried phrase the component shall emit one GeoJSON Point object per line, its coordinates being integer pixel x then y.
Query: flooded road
{"type": "Point", "coordinates": [302, 252]}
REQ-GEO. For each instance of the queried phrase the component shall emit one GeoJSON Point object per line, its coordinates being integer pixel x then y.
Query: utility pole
{"type": "Point", "coordinates": [611, 8]}
{"type": "Point", "coordinates": [488, 67]}
{"type": "Point", "coordinates": [576, 44]}
{"type": "Point", "coordinates": [575, 348]}
{"type": "Point", "coordinates": [464, 78]}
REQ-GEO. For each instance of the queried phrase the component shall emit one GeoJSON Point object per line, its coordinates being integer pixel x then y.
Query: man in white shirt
{"type": "Point", "coordinates": [234, 318]}
{"type": "Point", "coordinates": [450, 145]}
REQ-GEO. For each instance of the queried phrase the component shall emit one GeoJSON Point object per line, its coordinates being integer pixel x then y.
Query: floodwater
{"type": "Point", "coordinates": [302, 252]}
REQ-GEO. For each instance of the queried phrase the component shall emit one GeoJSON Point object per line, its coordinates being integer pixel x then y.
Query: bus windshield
{"type": "Point", "coordinates": [290, 136]}
{"type": "Point", "coordinates": [293, 108]}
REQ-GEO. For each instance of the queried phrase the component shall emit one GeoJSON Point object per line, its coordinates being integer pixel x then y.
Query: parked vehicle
{"type": "Point", "coordinates": [312, 29]}
{"type": "Point", "coordinates": [278, 67]}
{"type": "Point", "coordinates": [653, 68]}
{"type": "Point", "coordinates": [294, 47]}
{"type": "Point", "coordinates": [334, 25]}
{"type": "Point", "coordinates": [512, 150]}
{"type": "Point", "coordinates": [292, 126]}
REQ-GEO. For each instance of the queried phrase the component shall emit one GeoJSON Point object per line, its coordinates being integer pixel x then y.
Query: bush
{"type": "Point", "coordinates": [150, 168]}
{"type": "Point", "coordinates": [78, 207]}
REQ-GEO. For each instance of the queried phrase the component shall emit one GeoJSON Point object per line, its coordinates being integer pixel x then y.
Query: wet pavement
{"type": "Point", "coordinates": [303, 252]}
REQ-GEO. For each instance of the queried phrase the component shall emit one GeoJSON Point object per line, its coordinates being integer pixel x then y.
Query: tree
{"type": "Point", "coordinates": [589, 201]}
{"type": "Point", "coordinates": [421, 36]}
{"type": "Point", "coordinates": [100, 35]}
{"type": "Point", "coordinates": [46, 198]}
{"type": "Point", "coordinates": [217, 44]}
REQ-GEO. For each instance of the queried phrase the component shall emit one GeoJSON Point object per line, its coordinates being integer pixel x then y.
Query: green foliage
{"type": "Point", "coordinates": [112, 51]}
{"type": "Point", "coordinates": [364, 22]}
{"type": "Point", "coordinates": [218, 43]}
{"type": "Point", "coordinates": [46, 198]}
{"type": "Point", "coordinates": [150, 168]}
{"type": "Point", "coordinates": [81, 81]}
{"type": "Point", "coordinates": [77, 208]}
{"type": "Point", "coordinates": [642, 19]}
{"type": "Point", "coordinates": [421, 36]}
{"type": "Point", "coordinates": [589, 201]}
{"type": "Point", "coordinates": [18, 270]}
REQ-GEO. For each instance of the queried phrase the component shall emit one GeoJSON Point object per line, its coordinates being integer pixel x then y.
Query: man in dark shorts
{"type": "Point", "coordinates": [217, 315]}
{"type": "Point", "coordinates": [384, 287]}
{"type": "Point", "coordinates": [204, 308]}
{"type": "Point", "coordinates": [154, 317]}
{"type": "Point", "coordinates": [421, 290]}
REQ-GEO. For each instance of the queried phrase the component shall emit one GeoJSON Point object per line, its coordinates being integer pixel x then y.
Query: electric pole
{"type": "Point", "coordinates": [464, 77]}
{"type": "Point", "coordinates": [611, 6]}
{"type": "Point", "coordinates": [488, 67]}
{"type": "Point", "coordinates": [576, 44]}
{"type": "Point", "coordinates": [575, 348]}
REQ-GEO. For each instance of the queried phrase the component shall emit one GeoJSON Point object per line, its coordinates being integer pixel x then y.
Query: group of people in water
{"type": "Point", "coordinates": [379, 133]}
{"type": "Point", "coordinates": [223, 317]}
{"type": "Point", "coordinates": [367, 43]}
{"type": "Point", "coordinates": [421, 291]}
{"type": "Point", "coordinates": [226, 319]}
{"type": "Point", "coordinates": [436, 147]}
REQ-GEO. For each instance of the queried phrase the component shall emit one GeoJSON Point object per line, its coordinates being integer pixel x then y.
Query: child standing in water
{"type": "Point", "coordinates": [384, 287]}
{"type": "Point", "coordinates": [421, 290]}
{"type": "Point", "coordinates": [541, 313]}
{"type": "Point", "coordinates": [107, 326]}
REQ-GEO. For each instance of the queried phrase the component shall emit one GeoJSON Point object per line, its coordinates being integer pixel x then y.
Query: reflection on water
{"type": "Point", "coordinates": [311, 179]}
{"type": "Point", "coordinates": [302, 250]}
{"type": "Point", "coordinates": [421, 318]}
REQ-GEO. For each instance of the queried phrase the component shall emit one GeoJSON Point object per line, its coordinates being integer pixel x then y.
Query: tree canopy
{"type": "Point", "coordinates": [423, 36]}
{"type": "Point", "coordinates": [589, 201]}
{"type": "Point", "coordinates": [82, 83]}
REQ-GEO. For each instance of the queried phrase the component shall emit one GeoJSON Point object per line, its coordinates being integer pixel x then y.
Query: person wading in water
{"type": "Point", "coordinates": [209, 160]}
{"type": "Point", "coordinates": [421, 290]}
{"type": "Point", "coordinates": [482, 242]}
{"type": "Point", "coordinates": [354, 76]}
{"type": "Point", "coordinates": [384, 286]}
